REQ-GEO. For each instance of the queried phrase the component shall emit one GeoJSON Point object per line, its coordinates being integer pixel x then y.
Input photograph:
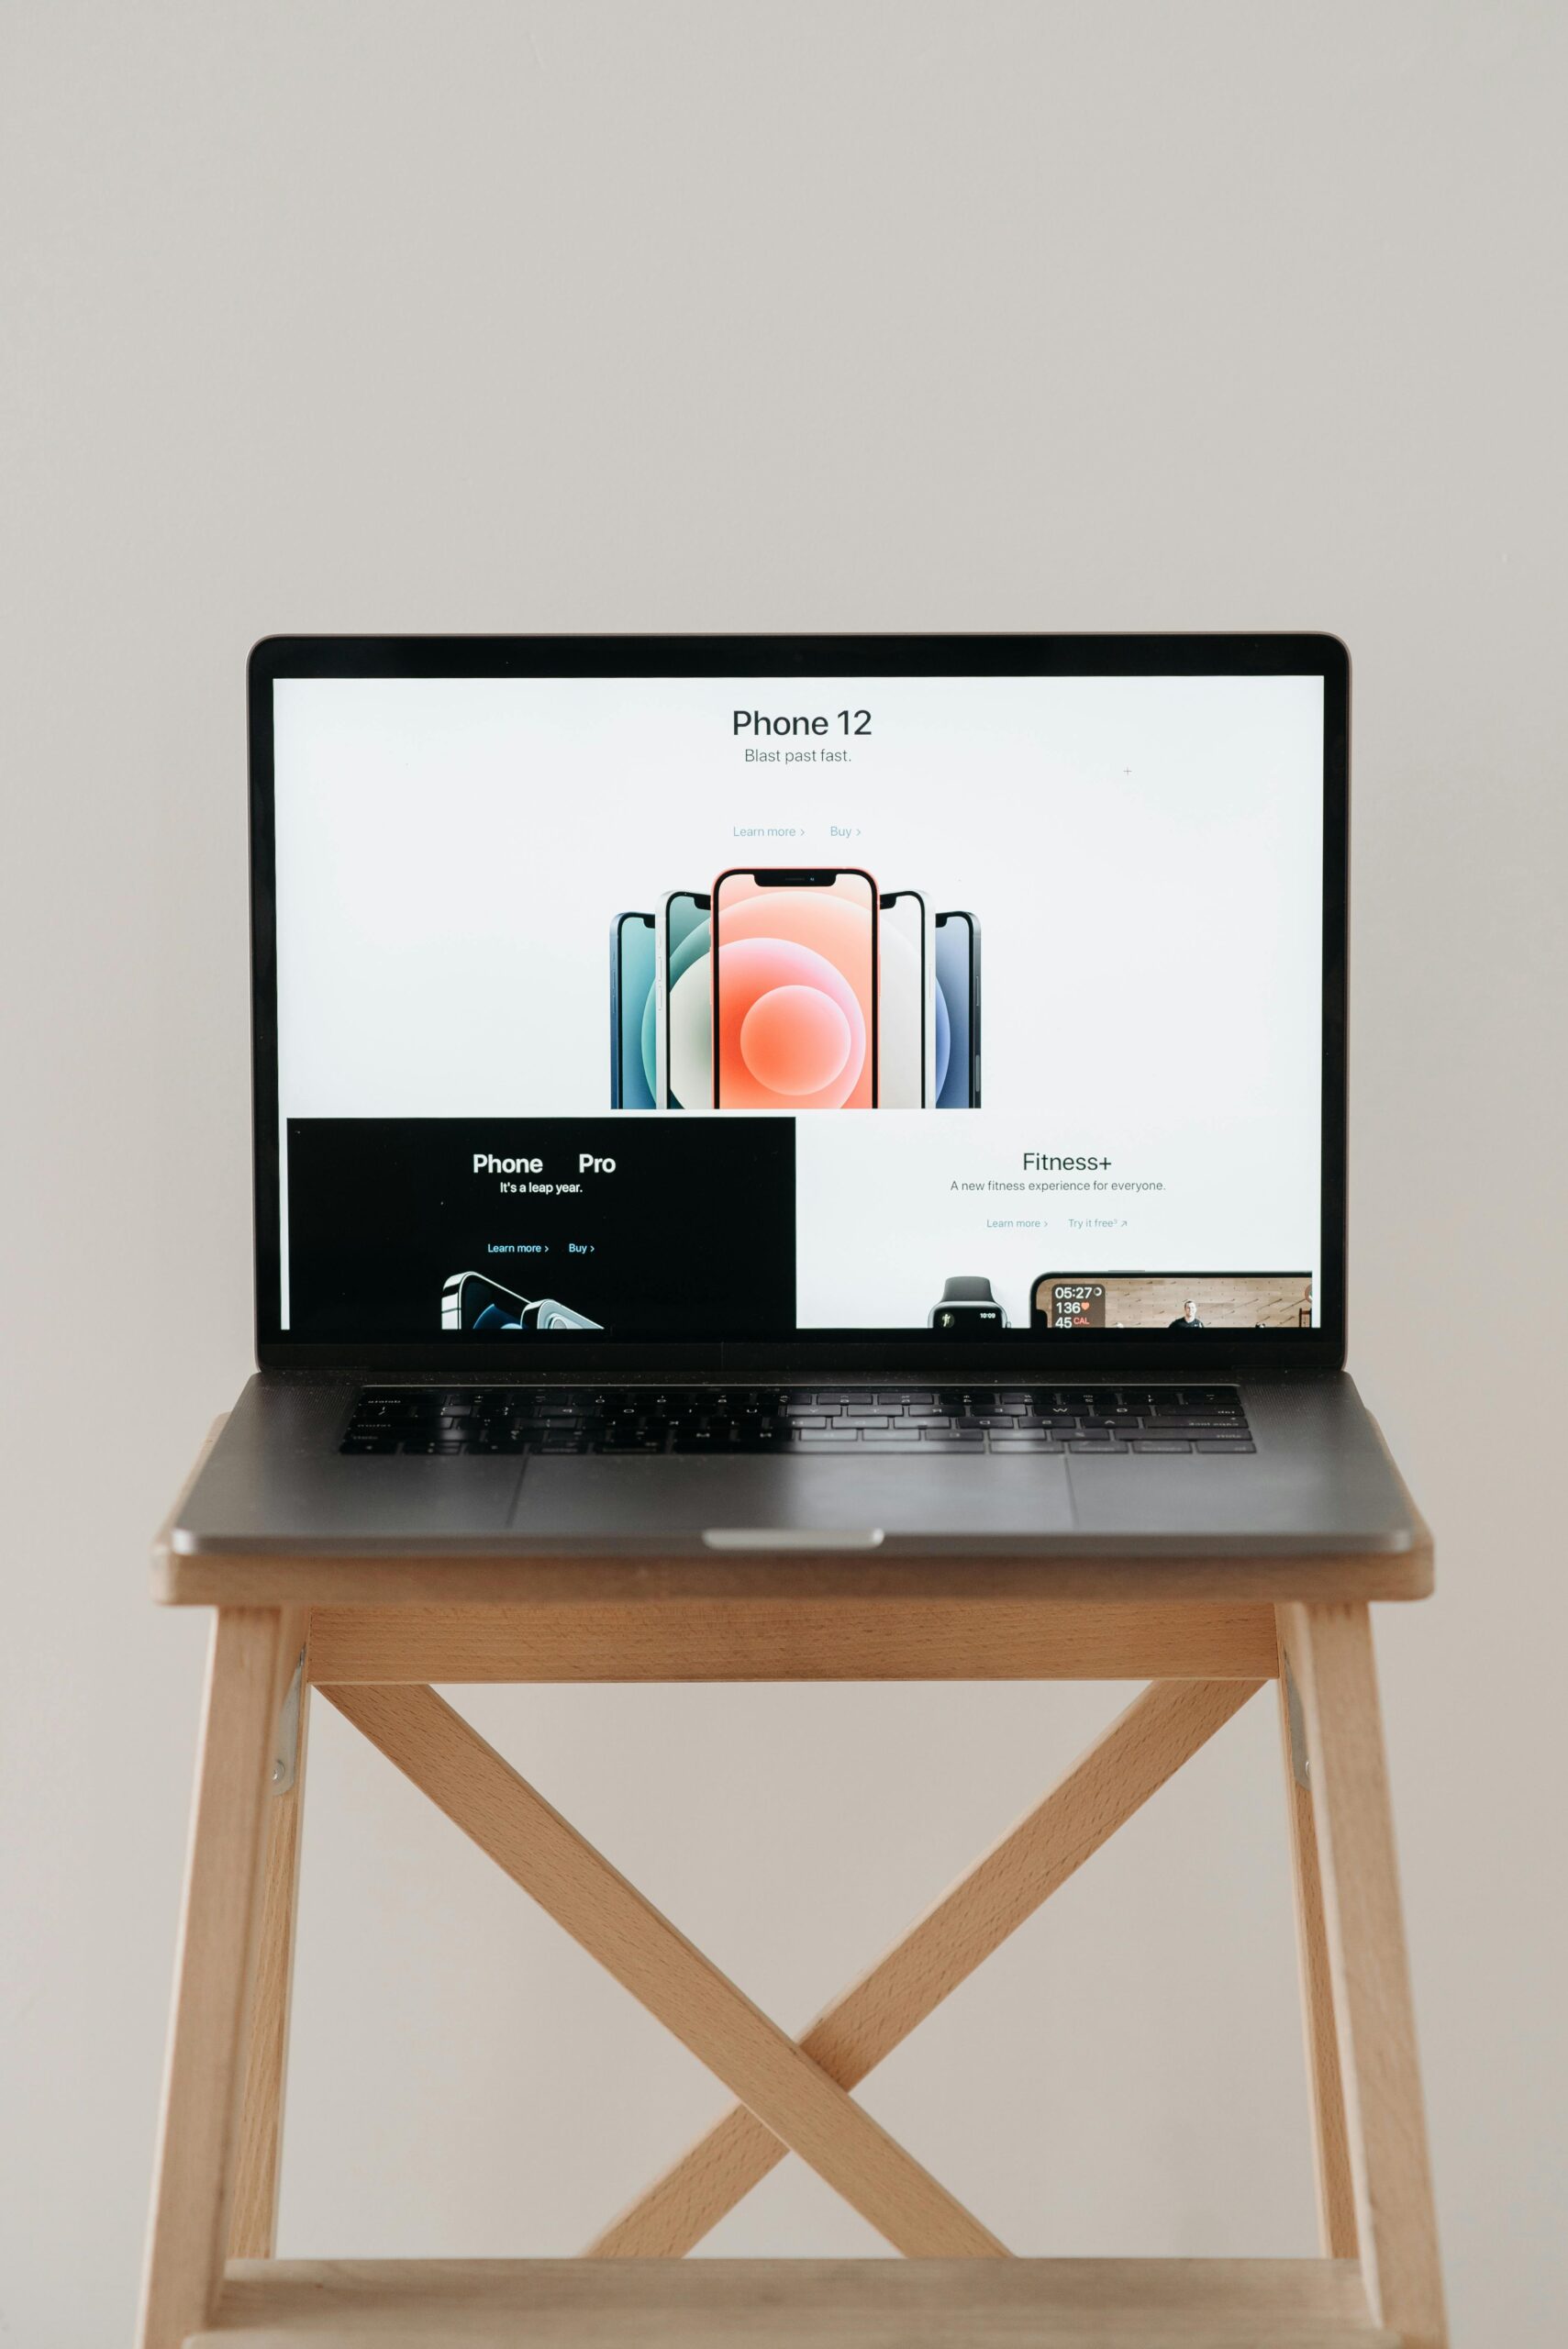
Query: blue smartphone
{"type": "Point", "coordinates": [958, 1012]}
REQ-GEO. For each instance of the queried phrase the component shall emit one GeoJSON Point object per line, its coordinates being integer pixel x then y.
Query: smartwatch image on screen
{"type": "Point", "coordinates": [471, 1302]}
{"type": "Point", "coordinates": [966, 1304]}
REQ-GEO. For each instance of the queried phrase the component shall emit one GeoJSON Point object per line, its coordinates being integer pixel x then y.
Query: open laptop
{"type": "Point", "coordinates": [835, 1093]}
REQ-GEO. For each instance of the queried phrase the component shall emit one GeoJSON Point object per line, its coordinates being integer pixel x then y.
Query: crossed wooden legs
{"type": "Point", "coordinates": [469, 1781]}
{"type": "Point", "coordinates": [1124, 1767]}
{"type": "Point", "coordinates": [218, 2170]}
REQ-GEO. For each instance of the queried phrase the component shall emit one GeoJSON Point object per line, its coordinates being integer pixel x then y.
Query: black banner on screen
{"type": "Point", "coordinates": [421, 1229]}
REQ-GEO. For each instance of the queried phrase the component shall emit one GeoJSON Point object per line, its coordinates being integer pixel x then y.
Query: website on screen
{"type": "Point", "coordinates": [728, 1007]}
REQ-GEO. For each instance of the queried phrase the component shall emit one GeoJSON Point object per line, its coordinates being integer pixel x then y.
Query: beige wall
{"type": "Point", "coordinates": [676, 313]}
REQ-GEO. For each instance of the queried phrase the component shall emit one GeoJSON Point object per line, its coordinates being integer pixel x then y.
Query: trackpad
{"type": "Point", "coordinates": [578, 1498]}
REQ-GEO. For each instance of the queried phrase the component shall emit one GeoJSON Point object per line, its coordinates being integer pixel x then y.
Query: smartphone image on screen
{"type": "Point", "coordinates": [631, 1011]}
{"type": "Point", "coordinates": [683, 1038]}
{"type": "Point", "coordinates": [795, 986]}
{"type": "Point", "coordinates": [472, 1302]}
{"type": "Point", "coordinates": [1180, 1301]}
{"type": "Point", "coordinates": [906, 1036]}
{"type": "Point", "coordinates": [958, 1012]}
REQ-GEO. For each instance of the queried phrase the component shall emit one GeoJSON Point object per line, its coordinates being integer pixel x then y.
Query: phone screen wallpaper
{"type": "Point", "coordinates": [1004, 916]}
{"type": "Point", "coordinates": [795, 990]}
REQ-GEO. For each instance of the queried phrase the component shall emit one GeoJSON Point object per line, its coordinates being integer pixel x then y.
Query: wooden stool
{"type": "Point", "coordinates": [373, 1634]}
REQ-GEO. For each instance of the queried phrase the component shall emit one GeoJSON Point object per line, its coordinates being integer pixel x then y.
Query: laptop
{"type": "Point", "coordinates": [869, 1093]}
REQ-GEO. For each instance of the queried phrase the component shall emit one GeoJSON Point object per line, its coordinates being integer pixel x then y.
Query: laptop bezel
{"type": "Point", "coordinates": [1023, 1354]}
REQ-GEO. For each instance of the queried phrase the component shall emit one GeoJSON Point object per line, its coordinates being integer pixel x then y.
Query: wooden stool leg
{"type": "Point", "coordinates": [253, 2225]}
{"type": "Point", "coordinates": [1330, 2140]}
{"type": "Point", "coordinates": [1328, 1652]}
{"type": "Point", "coordinates": [253, 1651]}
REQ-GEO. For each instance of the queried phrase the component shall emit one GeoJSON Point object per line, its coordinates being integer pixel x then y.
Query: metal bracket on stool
{"type": "Point", "coordinates": [285, 1743]}
{"type": "Point", "coordinates": [1300, 1759]}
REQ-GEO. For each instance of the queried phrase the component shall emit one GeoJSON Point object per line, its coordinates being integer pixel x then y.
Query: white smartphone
{"type": "Point", "coordinates": [907, 1027]}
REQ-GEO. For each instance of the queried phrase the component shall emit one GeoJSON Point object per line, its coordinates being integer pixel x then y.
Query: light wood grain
{"type": "Point", "coordinates": [1183, 1621]}
{"type": "Point", "coordinates": [796, 1639]}
{"type": "Point", "coordinates": [795, 2304]}
{"type": "Point", "coordinates": [249, 1661]}
{"type": "Point", "coordinates": [457, 1579]}
{"type": "Point", "coordinates": [1329, 1652]}
{"type": "Point", "coordinates": [591, 1900]}
{"type": "Point", "coordinates": [1141, 1749]}
{"type": "Point", "coordinates": [253, 2231]}
{"type": "Point", "coordinates": [1330, 2141]}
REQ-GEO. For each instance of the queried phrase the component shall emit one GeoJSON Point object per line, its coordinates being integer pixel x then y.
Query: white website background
{"type": "Point", "coordinates": [1142, 856]}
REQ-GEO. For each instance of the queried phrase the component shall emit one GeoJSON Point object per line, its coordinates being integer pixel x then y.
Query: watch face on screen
{"type": "Point", "coordinates": [967, 1307]}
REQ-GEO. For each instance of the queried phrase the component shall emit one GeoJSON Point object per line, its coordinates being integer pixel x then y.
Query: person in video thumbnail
{"type": "Point", "coordinates": [1304, 1310]}
{"type": "Point", "coordinates": [1188, 1317]}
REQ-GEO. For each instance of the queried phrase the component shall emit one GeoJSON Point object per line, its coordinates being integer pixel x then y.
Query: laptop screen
{"type": "Point", "coordinates": [955, 1005]}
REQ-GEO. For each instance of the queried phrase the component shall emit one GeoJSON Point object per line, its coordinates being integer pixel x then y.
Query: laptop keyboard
{"type": "Point", "coordinates": [916, 1421]}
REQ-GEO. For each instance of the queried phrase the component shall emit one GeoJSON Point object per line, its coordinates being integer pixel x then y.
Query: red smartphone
{"type": "Point", "coordinates": [794, 985]}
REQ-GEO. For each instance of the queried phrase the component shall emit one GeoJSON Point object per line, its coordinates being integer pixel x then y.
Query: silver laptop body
{"type": "Point", "coordinates": [949, 1152]}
